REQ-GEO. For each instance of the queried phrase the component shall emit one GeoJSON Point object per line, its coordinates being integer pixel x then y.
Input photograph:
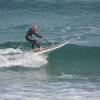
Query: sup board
{"type": "Point", "coordinates": [52, 48]}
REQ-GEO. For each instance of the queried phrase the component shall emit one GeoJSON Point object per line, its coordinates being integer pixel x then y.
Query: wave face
{"type": "Point", "coordinates": [71, 58]}
{"type": "Point", "coordinates": [75, 59]}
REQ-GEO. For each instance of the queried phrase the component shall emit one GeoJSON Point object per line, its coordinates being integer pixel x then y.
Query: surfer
{"type": "Point", "coordinates": [28, 37]}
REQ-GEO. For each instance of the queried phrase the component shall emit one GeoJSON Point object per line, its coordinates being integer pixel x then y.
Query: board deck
{"type": "Point", "coordinates": [51, 48]}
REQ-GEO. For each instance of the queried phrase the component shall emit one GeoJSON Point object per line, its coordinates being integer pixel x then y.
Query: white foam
{"type": "Point", "coordinates": [16, 57]}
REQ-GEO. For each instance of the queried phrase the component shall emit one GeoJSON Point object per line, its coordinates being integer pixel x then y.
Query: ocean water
{"type": "Point", "coordinates": [71, 72]}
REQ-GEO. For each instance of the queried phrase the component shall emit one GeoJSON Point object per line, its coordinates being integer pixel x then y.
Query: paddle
{"type": "Point", "coordinates": [47, 40]}
{"type": "Point", "coordinates": [51, 42]}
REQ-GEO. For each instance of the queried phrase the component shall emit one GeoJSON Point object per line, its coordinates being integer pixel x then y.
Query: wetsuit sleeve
{"type": "Point", "coordinates": [38, 35]}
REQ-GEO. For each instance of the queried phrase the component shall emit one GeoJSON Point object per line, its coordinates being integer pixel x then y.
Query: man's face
{"type": "Point", "coordinates": [34, 26]}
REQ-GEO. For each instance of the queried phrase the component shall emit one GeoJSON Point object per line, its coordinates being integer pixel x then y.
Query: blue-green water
{"type": "Point", "coordinates": [68, 73]}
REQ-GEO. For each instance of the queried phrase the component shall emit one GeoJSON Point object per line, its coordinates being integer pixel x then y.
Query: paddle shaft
{"type": "Point", "coordinates": [46, 40]}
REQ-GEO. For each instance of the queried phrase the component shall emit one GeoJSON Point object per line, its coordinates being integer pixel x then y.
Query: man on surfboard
{"type": "Point", "coordinates": [28, 37]}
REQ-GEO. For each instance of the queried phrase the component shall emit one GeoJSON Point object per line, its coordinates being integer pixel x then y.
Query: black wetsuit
{"type": "Point", "coordinates": [28, 37]}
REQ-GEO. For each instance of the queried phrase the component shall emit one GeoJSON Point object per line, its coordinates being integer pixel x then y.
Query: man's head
{"type": "Point", "coordinates": [34, 26]}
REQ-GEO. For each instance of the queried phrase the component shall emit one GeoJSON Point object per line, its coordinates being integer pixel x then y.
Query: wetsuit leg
{"type": "Point", "coordinates": [34, 42]}
{"type": "Point", "coordinates": [33, 45]}
{"type": "Point", "coordinates": [38, 45]}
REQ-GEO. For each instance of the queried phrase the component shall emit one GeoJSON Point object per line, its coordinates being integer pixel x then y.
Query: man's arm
{"type": "Point", "coordinates": [38, 35]}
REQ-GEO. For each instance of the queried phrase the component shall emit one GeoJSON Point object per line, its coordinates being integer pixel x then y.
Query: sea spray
{"type": "Point", "coordinates": [16, 57]}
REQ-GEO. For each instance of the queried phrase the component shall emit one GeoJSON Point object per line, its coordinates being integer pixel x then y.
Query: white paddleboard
{"type": "Point", "coordinates": [52, 48]}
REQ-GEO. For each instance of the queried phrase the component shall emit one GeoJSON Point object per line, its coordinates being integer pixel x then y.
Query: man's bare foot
{"type": "Point", "coordinates": [35, 50]}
